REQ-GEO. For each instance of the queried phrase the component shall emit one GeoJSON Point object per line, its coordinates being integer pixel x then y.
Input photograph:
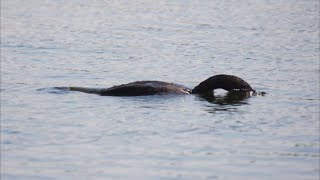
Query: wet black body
{"type": "Point", "coordinates": [227, 82]}
{"type": "Point", "coordinates": [145, 88]}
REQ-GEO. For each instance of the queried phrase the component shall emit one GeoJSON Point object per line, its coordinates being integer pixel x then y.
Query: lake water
{"type": "Point", "coordinates": [49, 134]}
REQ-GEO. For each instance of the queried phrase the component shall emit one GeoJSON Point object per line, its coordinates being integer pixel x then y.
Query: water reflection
{"type": "Point", "coordinates": [227, 102]}
{"type": "Point", "coordinates": [230, 98]}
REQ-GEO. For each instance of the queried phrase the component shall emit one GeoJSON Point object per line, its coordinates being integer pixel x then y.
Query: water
{"type": "Point", "coordinates": [47, 134]}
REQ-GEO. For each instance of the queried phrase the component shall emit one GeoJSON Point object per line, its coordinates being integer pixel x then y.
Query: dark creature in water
{"type": "Point", "coordinates": [230, 83]}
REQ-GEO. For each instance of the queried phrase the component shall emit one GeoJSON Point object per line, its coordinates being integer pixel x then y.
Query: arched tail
{"type": "Point", "coordinates": [223, 81]}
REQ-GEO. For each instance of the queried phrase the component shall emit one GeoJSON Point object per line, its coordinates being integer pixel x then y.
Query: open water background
{"type": "Point", "coordinates": [47, 134]}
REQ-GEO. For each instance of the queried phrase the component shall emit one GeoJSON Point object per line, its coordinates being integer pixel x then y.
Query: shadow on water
{"type": "Point", "coordinates": [54, 90]}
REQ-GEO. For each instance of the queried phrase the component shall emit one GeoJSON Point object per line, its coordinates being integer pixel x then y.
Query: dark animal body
{"type": "Point", "coordinates": [141, 88]}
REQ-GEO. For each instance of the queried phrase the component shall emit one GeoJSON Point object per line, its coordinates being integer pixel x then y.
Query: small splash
{"type": "Point", "coordinates": [257, 93]}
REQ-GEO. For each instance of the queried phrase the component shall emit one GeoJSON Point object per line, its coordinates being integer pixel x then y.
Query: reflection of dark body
{"type": "Point", "coordinates": [227, 82]}
{"type": "Point", "coordinates": [231, 98]}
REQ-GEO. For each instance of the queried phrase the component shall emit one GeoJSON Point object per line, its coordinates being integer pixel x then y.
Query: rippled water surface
{"type": "Point", "coordinates": [50, 134]}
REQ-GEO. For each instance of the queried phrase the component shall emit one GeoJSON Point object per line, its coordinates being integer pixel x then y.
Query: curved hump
{"type": "Point", "coordinates": [222, 81]}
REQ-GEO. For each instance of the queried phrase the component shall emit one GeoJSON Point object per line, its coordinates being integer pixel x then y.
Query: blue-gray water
{"type": "Point", "coordinates": [48, 134]}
